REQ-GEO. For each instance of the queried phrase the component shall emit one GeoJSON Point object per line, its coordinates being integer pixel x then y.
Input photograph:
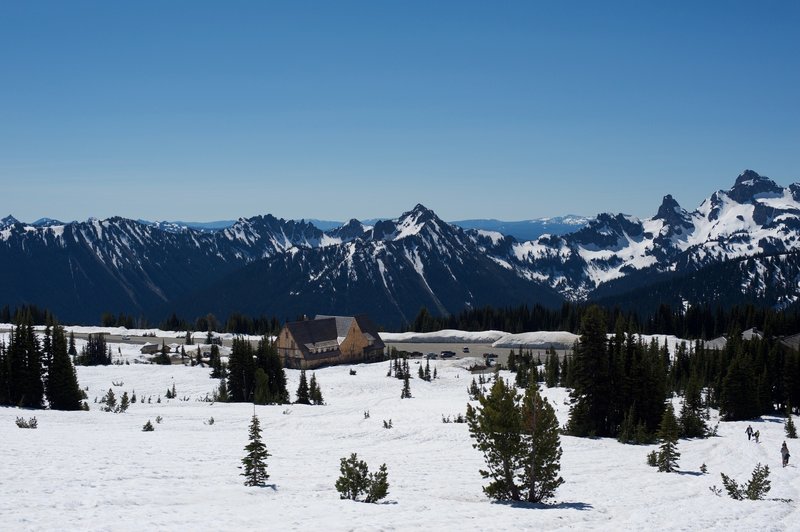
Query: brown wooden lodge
{"type": "Point", "coordinates": [329, 340]}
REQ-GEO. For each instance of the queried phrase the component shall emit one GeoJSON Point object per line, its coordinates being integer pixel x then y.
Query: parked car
{"type": "Point", "coordinates": [447, 354]}
{"type": "Point", "coordinates": [416, 354]}
{"type": "Point", "coordinates": [126, 337]}
{"type": "Point", "coordinates": [465, 349]}
{"type": "Point", "coordinates": [430, 356]}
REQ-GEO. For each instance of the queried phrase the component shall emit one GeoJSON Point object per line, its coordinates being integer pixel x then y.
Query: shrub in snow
{"type": "Point", "coordinates": [755, 489]}
{"type": "Point", "coordinates": [148, 427]}
{"type": "Point", "coordinates": [210, 421]}
{"type": "Point", "coordinates": [159, 419]}
{"type": "Point", "coordinates": [356, 481]}
{"type": "Point", "coordinates": [352, 372]}
{"type": "Point", "coordinates": [31, 423]}
{"type": "Point", "coordinates": [387, 425]}
{"type": "Point", "coordinates": [652, 459]}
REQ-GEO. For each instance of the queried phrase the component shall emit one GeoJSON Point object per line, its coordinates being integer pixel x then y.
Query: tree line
{"type": "Point", "coordinates": [700, 321]}
{"type": "Point", "coordinates": [34, 374]}
{"type": "Point", "coordinates": [621, 384]}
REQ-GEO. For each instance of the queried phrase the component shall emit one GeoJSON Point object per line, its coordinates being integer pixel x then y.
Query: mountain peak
{"type": "Point", "coordinates": [749, 184]}
{"type": "Point", "coordinates": [748, 176]}
{"type": "Point", "coordinates": [8, 220]}
{"type": "Point", "coordinates": [669, 207]}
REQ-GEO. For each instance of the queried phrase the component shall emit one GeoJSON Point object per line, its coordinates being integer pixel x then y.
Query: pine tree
{"type": "Point", "coordinates": [124, 403]}
{"type": "Point", "coordinates": [789, 427]}
{"type": "Point", "coordinates": [421, 373]}
{"type": "Point", "coordinates": [255, 461]}
{"type": "Point", "coordinates": [267, 358]}
{"type": "Point", "coordinates": [110, 401]}
{"type": "Point", "coordinates": [355, 480]}
{"type": "Point", "coordinates": [406, 393]}
{"type": "Point", "coordinates": [63, 391]}
{"type": "Point", "coordinates": [592, 393]}
{"type": "Point", "coordinates": [148, 427]}
{"type": "Point", "coordinates": [302, 390]}
{"type": "Point", "coordinates": [261, 395]}
{"type": "Point", "coordinates": [241, 371]}
{"type": "Point", "coordinates": [314, 391]}
{"type": "Point", "coordinates": [738, 395]}
{"type": "Point", "coordinates": [668, 433]}
{"type": "Point", "coordinates": [551, 368]}
{"type": "Point", "coordinates": [693, 415]}
{"type": "Point", "coordinates": [496, 427]}
{"type": "Point", "coordinates": [427, 373]}
{"type": "Point", "coordinates": [542, 447]}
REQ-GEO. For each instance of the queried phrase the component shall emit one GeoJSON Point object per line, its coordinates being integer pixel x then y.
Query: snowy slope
{"type": "Point", "coordinates": [98, 471]}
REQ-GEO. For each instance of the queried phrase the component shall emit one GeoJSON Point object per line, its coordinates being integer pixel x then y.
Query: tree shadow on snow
{"type": "Point", "coordinates": [582, 506]}
{"type": "Point", "coordinates": [691, 473]}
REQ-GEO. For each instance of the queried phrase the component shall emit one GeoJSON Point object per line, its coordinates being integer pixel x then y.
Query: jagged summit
{"type": "Point", "coordinates": [8, 220]}
{"type": "Point", "coordinates": [669, 207]}
{"type": "Point", "coordinates": [750, 184]}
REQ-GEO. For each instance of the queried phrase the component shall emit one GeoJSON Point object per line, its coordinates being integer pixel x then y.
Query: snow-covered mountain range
{"type": "Point", "coordinates": [744, 237]}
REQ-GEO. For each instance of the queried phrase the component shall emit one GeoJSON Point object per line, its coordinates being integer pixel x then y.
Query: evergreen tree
{"type": "Point", "coordinates": [221, 394]}
{"type": "Point", "coordinates": [668, 433]}
{"type": "Point", "coordinates": [427, 373]}
{"type": "Point", "coordinates": [551, 368]}
{"type": "Point", "coordinates": [110, 401]}
{"type": "Point", "coordinates": [241, 371]}
{"type": "Point", "coordinates": [355, 480]}
{"type": "Point", "coordinates": [71, 351]}
{"type": "Point", "coordinates": [63, 391]}
{"type": "Point", "coordinates": [693, 414]}
{"type": "Point", "coordinates": [789, 427]}
{"type": "Point", "coordinates": [496, 427]}
{"type": "Point", "coordinates": [738, 395]}
{"type": "Point", "coordinates": [262, 394]}
{"type": "Point", "coordinates": [592, 393]}
{"type": "Point", "coordinates": [268, 359]}
{"type": "Point", "coordinates": [255, 461]}
{"type": "Point", "coordinates": [406, 393]}
{"type": "Point", "coordinates": [302, 390]}
{"type": "Point", "coordinates": [124, 403]}
{"type": "Point", "coordinates": [314, 391]}
{"type": "Point", "coordinates": [542, 448]}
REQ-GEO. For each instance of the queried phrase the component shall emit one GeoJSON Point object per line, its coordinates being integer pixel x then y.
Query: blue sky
{"type": "Point", "coordinates": [512, 110]}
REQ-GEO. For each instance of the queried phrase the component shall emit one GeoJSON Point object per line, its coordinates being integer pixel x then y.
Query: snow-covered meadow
{"type": "Point", "coordinates": [97, 470]}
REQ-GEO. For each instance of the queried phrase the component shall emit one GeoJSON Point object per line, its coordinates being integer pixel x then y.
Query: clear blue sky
{"type": "Point", "coordinates": [512, 110]}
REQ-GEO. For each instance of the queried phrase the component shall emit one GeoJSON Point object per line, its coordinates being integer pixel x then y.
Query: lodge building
{"type": "Point", "coordinates": [328, 341]}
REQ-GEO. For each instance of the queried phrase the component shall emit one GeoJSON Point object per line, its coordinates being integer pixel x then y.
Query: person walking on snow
{"type": "Point", "coordinates": [757, 435]}
{"type": "Point", "coordinates": [749, 432]}
{"type": "Point", "coordinates": [785, 454]}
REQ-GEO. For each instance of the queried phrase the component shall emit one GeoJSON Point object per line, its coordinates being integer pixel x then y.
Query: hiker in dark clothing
{"type": "Point", "coordinates": [749, 432]}
{"type": "Point", "coordinates": [757, 435]}
{"type": "Point", "coordinates": [785, 454]}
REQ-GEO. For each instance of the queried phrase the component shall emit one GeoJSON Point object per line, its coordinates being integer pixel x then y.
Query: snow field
{"type": "Point", "coordinates": [98, 471]}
